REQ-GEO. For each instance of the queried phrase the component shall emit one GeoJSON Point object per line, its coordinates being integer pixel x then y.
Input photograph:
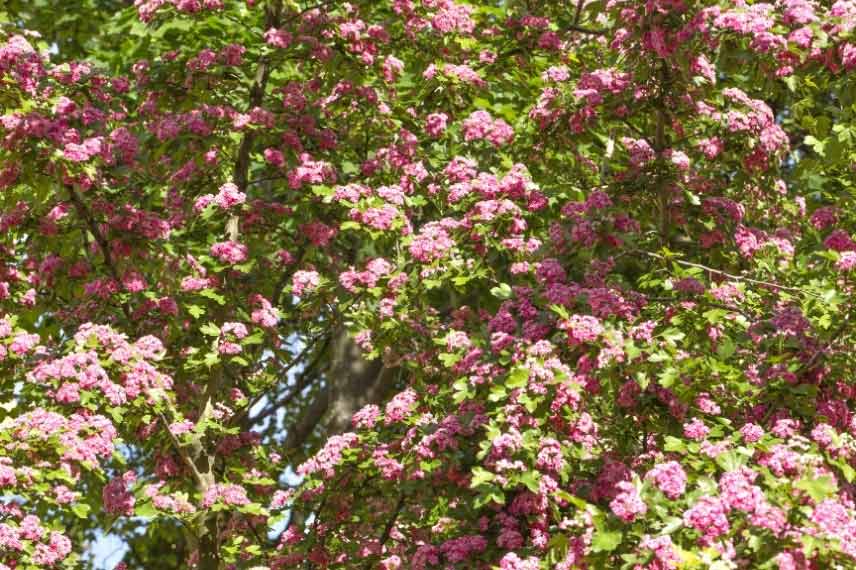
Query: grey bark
{"type": "Point", "coordinates": [351, 383]}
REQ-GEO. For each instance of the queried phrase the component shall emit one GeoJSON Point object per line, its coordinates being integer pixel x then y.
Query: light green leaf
{"type": "Point", "coordinates": [606, 541]}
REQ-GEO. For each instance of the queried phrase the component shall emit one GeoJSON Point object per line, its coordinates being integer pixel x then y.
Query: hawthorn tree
{"type": "Point", "coordinates": [416, 284]}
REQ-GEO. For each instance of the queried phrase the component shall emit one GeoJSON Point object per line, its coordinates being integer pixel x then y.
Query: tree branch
{"type": "Point", "coordinates": [102, 242]}
{"type": "Point", "coordinates": [730, 275]}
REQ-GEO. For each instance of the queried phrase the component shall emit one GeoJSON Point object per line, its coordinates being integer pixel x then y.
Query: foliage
{"type": "Point", "coordinates": [602, 249]}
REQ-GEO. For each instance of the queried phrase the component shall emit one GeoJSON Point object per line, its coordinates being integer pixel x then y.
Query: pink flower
{"type": "Point", "coordinates": [627, 505]}
{"type": "Point", "coordinates": [640, 151]}
{"type": "Point", "coordinates": [274, 157]}
{"type": "Point", "coordinates": [329, 455]}
{"type": "Point", "coordinates": [480, 125]}
{"type": "Point", "coordinates": [239, 330]}
{"type": "Point", "coordinates": [400, 407]}
{"type": "Point", "coordinates": [432, 242]}
{"type": "Point", "coordinates": [670, 478]}
{"type": "Point", "coordinates": [389, 468]}
{"type": "Point", "coordinates": [664, 551]}
{"type": "Point", "coordinates": [266, 315]}
{"type": "Point", "coordinates": [582, 329]}
{"type": "Point", "coordinates": [550, 456]}
{"type": "Point", "coordinates": [227, 347]}
{"type": "Point", "coordinates": [278, 38]}
{"type": "Point", "coordinates": [453, 17]}
{"type": "Point", "coordinates": [751, 432]}
{"type": "Point", "coordinates": [304, 282]}
{"type": "Point", "coordinates": [7, 476]}
{"type": "Point", "coordinates": [435, 124]}
{"type": "Point", "coordinates": [366, 417]}
{"type": "Point", "coordinates": [710, 148]}
{"type": "Point", "coordinates": [846, 261]}
{"type": "Point", "coordinates": [839, 240]}
{"type": "Point", "coordinates": [116, 497]}
{"type": "Point", "coordinates": [178, 428]}
{"type": "Point", "coordinates": [392, 66]}
{"type": "Point", "coordinates": [513, 562]}
{"type": "Point", "coordinates": [390, 563]}
{"type": "Point", "coordinates": [229, 196]}
{"type": "Point", "coordinates": [696, 429]}
{"type": "Point", "coordinates": [457, 340]}
{"type": "Point", "coordinates": [232, 54]}
{"type": "Point", "coordinates": [226, 493]}
{"type": "Point", "coordinates": [57, 549]}
{"type": "Point", "coordinates": [459, 549]}
{"type": "Point", "coordinates": [824, 217]}
{"type": "Point", "coordinates": [83, 152]}
{"type": "Point", "coordinates": [230, 252]}
{"type": "Point", "coordinates": [708, 516]}
{"type": "Point", "coordinates": [737, 491]}
{"type": "Point", "coordinates": [680, 160]}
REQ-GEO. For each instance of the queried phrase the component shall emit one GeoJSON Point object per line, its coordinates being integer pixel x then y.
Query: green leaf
{"type": "Point", "coordinates": [503, 291]}
{"type": "Point", "coordinates": [672, 524]}
{"type": "Point", "coordinates": [667, 377]}
{"type": "Point", "coordinates": [606, 541]}
{"type": "Point", "coordinates": [214, 296]}
{"type": "Point", "coordinates": [530, 479]}
{"type": "Point", "coordinates": [714, 316]}
{"type": "Point", "coordinates": [253, 509]}
{"type": "Point", "coordinates": [480, 477]}
{"type": "Point", "coordinates": [817, 145]}
{"type": "Point", "coordinates": [726, 348]}
{"type": "Point", "coordinates": [674, 444]}
{"type": "Point", "coordinates": [449, 359]}
{"type": "Point", "coordinates": [517, 378]}
{"type": "Point", "coordinates": [497, 393]}
{"type": "Point", "coordinates": [731, 460]}
{"type": "Point", "coordinates": [848, 472]}
{"type": "Point", "coordinates": [210, 329]}
{"type": "Point", "coordinates": [195, 311]}
{"type": "Point", "coordinates": [81, 510]}
{"type": "Point", "coordinates": [818, 489]}
{"type": "Point", "coordinates": [146, 510]}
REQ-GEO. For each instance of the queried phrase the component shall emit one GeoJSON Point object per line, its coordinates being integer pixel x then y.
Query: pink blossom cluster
{"type": "Point", "coordinates": [480, 125]}
{"type": "Point", "coordinates": [117, 498]}
{"type": "Point", "coordinates": [304, 281]}
{"type": "Point", "coordinates": [225, 493]}
{"type": "Point", "coordinates": [326, 459]}
{"type": "Point", "coordinates": [375, 270]}
{"type": "Point", "coordinates": [432, 242]}
{"type": "Point", "coordinates": [669, 477]}
{"type": "Point", "coordinates": [230, 252]}
{"type": "Point", "coordinates": [227, 197]}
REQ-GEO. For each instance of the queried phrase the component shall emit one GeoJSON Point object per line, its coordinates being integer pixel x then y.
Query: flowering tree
{"type": "Point", "coordinates": [518, 285]}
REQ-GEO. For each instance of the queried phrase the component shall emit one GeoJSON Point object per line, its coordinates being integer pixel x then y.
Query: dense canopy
{"type": "Point", "coordinates": [428, 284]}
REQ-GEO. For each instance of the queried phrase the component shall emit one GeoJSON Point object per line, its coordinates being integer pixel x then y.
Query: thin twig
{"type": "Point", "coordinates": [829, 344]}
{"type": "Point", "coordinates": [730, 275]}
{"type": "Point", "coordinates": [578, 12]}
{"type": "Point", "coordinates": [183, 452]}
{"type": "Point", "coordinates": [102, 242]}
{"type": "Point", "coordinates": [391, 522]}
{"type": "Point", "coordinates": [582, 30]}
